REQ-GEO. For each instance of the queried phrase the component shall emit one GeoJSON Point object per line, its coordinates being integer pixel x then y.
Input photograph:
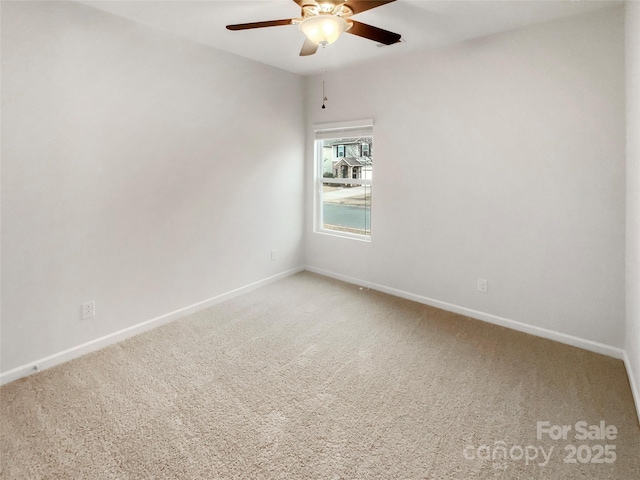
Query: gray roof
{"type": "Point", "coordinates": [342, 141]}
{"type": "Point", "coordinates": [355, 161]}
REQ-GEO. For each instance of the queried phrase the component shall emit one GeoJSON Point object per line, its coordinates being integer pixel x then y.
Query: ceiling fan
{"type": "Point", "coordinates": [323, 21]}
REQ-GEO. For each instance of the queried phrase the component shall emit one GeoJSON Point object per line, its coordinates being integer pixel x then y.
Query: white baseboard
{"type": "Point", "coordinates": [635, 388]}
{"type": "Point", "coordinates": [585, 344]}
{"type": "Point", "coordinates": [98, 343]}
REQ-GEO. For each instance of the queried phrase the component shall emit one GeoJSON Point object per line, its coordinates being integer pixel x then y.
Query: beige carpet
{"type": "Point", "coordinates": [311, 378]}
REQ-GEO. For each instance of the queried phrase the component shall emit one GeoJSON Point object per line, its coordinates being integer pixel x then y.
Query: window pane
{"type": "Point", "coordinates": [347, 208]}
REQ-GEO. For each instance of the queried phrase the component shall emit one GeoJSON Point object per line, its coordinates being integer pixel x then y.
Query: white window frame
{"type": "Point", "coordinates": [323, 131]}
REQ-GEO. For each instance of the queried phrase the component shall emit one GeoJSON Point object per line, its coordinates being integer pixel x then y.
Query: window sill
{"type": "Point", "coordinates": [341, 234]}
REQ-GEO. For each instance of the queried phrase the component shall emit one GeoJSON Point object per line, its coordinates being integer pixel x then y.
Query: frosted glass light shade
{"type": "Point", "coordinates": [323, 29]}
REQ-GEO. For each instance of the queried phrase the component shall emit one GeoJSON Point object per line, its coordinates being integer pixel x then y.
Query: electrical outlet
{"type": "Point", "coordinates": [274, 255]}
{"type": "Point", "coordinates": [88, 310]}
{"type": "Point", "coordinates": [483, 285]}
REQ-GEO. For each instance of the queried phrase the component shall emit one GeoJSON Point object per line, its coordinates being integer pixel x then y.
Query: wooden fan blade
{"type": "Point", "coordinates": [363, 5]}
{"type": "Point", "coordinates": [373, 33]}
{"type": "Point", "coordinates": [270, 23]}
{"type": "Point", "coordinates": [308, 48]}
{"type": "Point", "coordinates": [302, 3]}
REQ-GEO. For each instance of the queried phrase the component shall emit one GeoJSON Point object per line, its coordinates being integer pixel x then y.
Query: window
{"type": "Point", "coordinates": [343, 182]}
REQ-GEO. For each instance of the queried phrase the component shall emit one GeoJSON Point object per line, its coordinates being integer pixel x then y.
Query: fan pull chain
{"type": "Point", "coordinates": [324, 98]}
{"type": "Point", "coordinates": [325, 60]}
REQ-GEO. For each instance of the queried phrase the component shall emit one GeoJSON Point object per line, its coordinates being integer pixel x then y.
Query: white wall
{"type": "Point", "coordinates": [501, 158]}
{"type": "Point", "coordinates": [139, 170]}
{"type": "Point", "coordinates": [633, 196]}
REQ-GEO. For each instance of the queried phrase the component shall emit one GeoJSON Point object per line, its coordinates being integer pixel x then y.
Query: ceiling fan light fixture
{"type": "Point", "coordinates": [323, 29]}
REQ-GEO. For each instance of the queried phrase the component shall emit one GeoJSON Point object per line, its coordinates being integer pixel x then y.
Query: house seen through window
{"type": "Point", "coordinates": [344, 162]}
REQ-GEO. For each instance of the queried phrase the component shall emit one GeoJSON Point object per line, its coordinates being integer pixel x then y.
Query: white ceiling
{"type": "Point", "coordinates": [423, 24]}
